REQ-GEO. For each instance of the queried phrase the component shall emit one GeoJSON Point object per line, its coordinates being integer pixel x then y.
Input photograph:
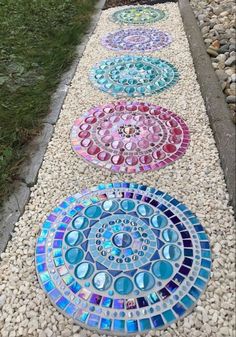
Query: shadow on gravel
{"type": "Point", "coordinates": [114, 3]}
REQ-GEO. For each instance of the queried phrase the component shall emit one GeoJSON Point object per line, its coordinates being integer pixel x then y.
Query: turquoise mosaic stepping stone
{"type": "Point", "coordinates": [123, 258]}
{"type": "Point", "coordinates": [138, 15]}
{"type": "Point", "coordinates": [133, 76]}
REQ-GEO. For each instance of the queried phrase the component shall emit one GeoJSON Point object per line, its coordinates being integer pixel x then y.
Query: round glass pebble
{"type": "Point", "coordinates": [129, 137]}
{"type": "Point", "coordinates": [133, 76]}
{"type": "Point", "coordinates": [136, 40]}
{"type": "Point", "coordinates": [123, 259]}
{"type": "Point", "coordinates": [138, 15]}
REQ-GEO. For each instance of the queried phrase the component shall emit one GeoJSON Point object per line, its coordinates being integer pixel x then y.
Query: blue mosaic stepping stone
{"type": "Point", "coordinates": [138, 15]}
{"type": "Point", "coordinates": [123, 258]}
{"type": "Point", "coordinates": [136, 40]}
{"type": "Point", "coordinates": [133, 76]}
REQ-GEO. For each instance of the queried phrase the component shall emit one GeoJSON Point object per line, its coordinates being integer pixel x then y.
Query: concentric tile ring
{"type": "Point", "coordinates": [123, 258]}
{"type": "Point", "coordinates": [138, 15]}
{"type": "Point", "coordinates": [130, 137]}
{"type": "Point", "coordinates": [136, 40]}
{"type": "Point", "coordinates": [133, 76]}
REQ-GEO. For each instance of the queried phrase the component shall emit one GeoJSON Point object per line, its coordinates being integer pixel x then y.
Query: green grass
{"type": "Point", "coordinates": [37, 43]}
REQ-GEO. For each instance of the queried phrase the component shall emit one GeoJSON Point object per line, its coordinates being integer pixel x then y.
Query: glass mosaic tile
{"type": "Point", "coordinates": [130, 137]}
{"type": "Point", "coordinates": [138, 15]}
{"type": "Point", "coordinates": [103, 288]}
{"type": "Point", "coordinates": [133, 76]}
{"type": "Point", "coordinates": [136, 40]}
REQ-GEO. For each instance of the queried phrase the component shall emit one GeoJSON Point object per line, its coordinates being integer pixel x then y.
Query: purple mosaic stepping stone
{"type": "Point", "coordinates": [123, 259]}
{"type": "Point", "coordinates": [136, 40]}
{"type": "Point", "coordinates": [130, 137]}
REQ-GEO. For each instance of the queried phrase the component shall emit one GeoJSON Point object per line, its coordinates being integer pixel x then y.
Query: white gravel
{"type": "Point", "coordinates": [196, 179]}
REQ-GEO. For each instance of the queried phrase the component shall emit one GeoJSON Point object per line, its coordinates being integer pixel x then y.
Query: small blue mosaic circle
{"type": "Point", "coordinates": [133, 76]}
{"type": "Point", "coordinates": [123, 258]}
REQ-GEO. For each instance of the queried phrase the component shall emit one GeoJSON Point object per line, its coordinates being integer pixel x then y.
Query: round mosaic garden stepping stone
{"type": "Point", "coordinates": [123, 258]}
{"type": "Point", "coordinates": [136, 40]}
{"type": "Point", "coordinates": [138, 15]}
{"type": "Point", "coordinates": [130, 137]}
{"type": "Point", "coordinates": [133, 75]}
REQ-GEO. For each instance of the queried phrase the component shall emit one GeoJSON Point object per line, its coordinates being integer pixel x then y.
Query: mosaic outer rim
{"type": "Point", "coordinates": [164, 15]}
{"type": "Point", "coordinates": [204, 243]}
{"type": "Point", "coordinates": [105, 42]}
{"type": "Point", "coordinates": [121, 93]}
{"type": "Point", "coordinates": [124, 168]}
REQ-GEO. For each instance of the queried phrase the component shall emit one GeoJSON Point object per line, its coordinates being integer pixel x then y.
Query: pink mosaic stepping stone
{"type": "Point", "coordinates": [130, 137]}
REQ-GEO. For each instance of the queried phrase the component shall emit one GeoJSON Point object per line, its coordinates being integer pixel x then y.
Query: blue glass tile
{"type": "Point", "coordinates": [93, 320]}
{"type": "Point", "coordinates": [75, 287]}
{"type": "Point", "coordinates": [95, 299]}
{"type": "Point", "coordinates": [44, 277]}
{"type": "Point", "coordinates": [55, 294]}
{"type": "Point", "coordinates": [199, 228]}
{"type": "Point", "coordinates": [153, 298]}
{"type": "Point", "coordinates": [57, 252]}
{"type": "Point", "coordinates": [41, 240]}
{"type": "Point", "coordinates": [49, 286]}
{"type": "Point", "coordinates": [64, 205]}
{"type": "Point", "coordinates": [206, 254]}
{"type": "Point", "coordinates": [40, 258]}
{"type": "Point", "coordinates": [107, 302]}
{"type": "Point", "coordinates": [179, 309]}
{"type": "Point", "coordinates": [171, 286]}
{"type": "Point", "coordinates": [119, 304]}
{"type": "Point", "coordinates": [206, 263]}
{"type": "Point", "coordinates": [205, 244]}
{"type": "Point", "coordinates": [185, 235]}
{"type": "Point", "coordinates": [200, 283]}
{"type": "Point", "coordinates": [184, 270]}
{"type": "Point", "coordinates": [40, 250]}
{"type": "Point", "coordinates": [188, 262]}
{"type": "Point", "coordinates": [145, 324]}
{"type": "Point", "coordinates": [188, 252]}
{"type": "Point", "coordinates": [59, 235]}
{"type": "Point", "coordinates": [59, 261]}
{"type": "Point", "coordinates": [157, 321]}
{"type": "Point", "coordinates": [47, 224]}
{"type": "Point", "coordinates": [132, 326]}
{"type": "Point", "coordinates": [62, 302]}
{"type": "Point", "coordinates": [194, 292]}
{"type": "Point", "coordinates": [169, 316]}
{"type": "Point", "coordinates": [71, 309]}
{"type": "Point", "coordinates": [181, 227]}
{"type": "Point", "coordinates": [163, 293]}
{"type": "Point", "coordinates": [204, 273]}
{"type": "Point", "coordinates": [142, 302]}
{"type": "Point", "coordinates": [187, 301]}
{"type": "Point", "coordinates": [202, 236]}
{"type": "Point", "coordinates": [41, 267]}
{"type": "Point", "coordinates": [187, 243]}
{"type": "Point", "coordinates": [83, 317]}
{"type": "Point", "coordinates": [105, 324]}
{"type": "Point", "coordinates": [57, 244]}
{"type": "Point", "coordinates": [68, 279]}
{"type": "Point", "coordinates": [119, 325]}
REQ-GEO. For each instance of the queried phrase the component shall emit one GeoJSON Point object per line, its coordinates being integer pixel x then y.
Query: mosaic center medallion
{"type": "Point", "coordinates": [123, 258]}
{"type": "Point", "coordinates": [136, 40]}
{"type": "Point", "coordinates": [138, 15]}
{"type": "Point", "coordinates": [130, 137]}
{"type": "Point", "coordinates": [133, 75]}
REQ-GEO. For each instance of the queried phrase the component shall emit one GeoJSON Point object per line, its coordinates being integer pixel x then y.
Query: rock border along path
{"type": "Point", "coordinates": [196, 180]}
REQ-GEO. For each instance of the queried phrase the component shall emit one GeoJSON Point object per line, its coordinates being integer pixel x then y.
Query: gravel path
{"type": "Point", "coordinates": [217, 23]}
{"type": "Point", "coordinates": [196, 180]}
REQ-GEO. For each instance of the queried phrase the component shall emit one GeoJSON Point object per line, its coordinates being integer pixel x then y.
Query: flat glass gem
{"type": "Point", "coordinates": [123, 258]}
{"type": "Point", "coordinates": [102, 281]}
{"type": "Point", "coordinates": [130, 137]}
{"type": "Point", "coordinates": [132, 76]}
{"type": "Point", "coordinates": [122, 240]}
{"type": "Point", "coordinates": [123, 285]}
{"type": "Point", "coordinates": [162, 269]}
{"type": "Point", "coordinates": [138, 15]}
{"type": "Point", "coordinates": [136, 40]}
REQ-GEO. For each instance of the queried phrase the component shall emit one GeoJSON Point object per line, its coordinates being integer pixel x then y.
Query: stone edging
{"type": "Point", "coordinates": [216, 107]}
{"type": "Point", "coordinates": [14, 206]}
